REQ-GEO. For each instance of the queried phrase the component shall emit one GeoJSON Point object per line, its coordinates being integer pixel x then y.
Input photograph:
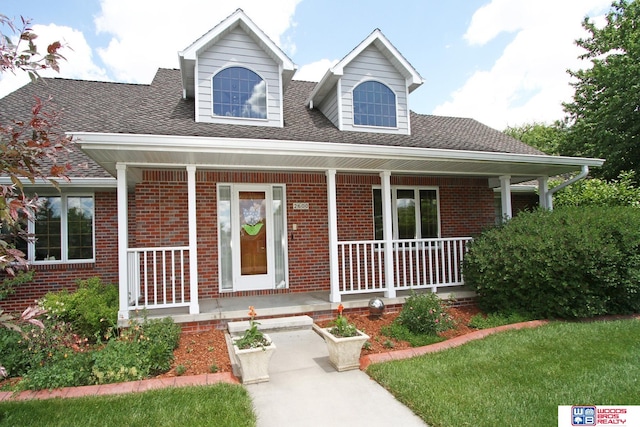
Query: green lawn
{"type": "Point", "coordinates": [221, 405]}
{"type": "Point", "coordinates": [520, 377]}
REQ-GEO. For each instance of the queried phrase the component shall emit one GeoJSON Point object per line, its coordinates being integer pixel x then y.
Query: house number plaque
{"type": "Point", "coordinates": [301, 206]}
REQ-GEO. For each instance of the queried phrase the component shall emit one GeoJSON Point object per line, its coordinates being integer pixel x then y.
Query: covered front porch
{"type": "Point", "coordinates": [167, 279]}
{"type": "Point", "coordinates": [157, 280]}
{"type": "Point", "coordinates": [217, 312]}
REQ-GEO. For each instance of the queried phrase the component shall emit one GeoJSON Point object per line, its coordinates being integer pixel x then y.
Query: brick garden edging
{"type": "Point", "coordinates": [121, 388]}
{"type": "Point", "coordinates": [369, 359]}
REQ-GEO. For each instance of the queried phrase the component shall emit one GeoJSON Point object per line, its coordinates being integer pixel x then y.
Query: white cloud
{"type": "Point", "coordinates": [528, 82]}
{"type": "Point", "coordinates": [147, 34]}
{"type": "Point", "coordinates": [78, 64]}
{"type": "Point", "coordinates": [314, 71]}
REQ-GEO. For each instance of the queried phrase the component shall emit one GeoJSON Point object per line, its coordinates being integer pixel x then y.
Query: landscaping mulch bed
{"type": "Point", "coordinates": [199, 351]}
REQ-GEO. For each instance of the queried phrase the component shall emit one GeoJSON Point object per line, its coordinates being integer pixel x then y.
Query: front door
{"type": "Point", "coordinates": [253, 231]}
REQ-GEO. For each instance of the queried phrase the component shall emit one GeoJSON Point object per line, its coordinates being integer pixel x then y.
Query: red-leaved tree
{"type": "Point", "coordinates": [30, 147]}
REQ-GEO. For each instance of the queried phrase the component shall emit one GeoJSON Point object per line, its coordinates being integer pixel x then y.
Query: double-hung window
{"type": "Point", "coordinates": [415, 213]}
{"type": "Point", "coordinates": [63, 228]}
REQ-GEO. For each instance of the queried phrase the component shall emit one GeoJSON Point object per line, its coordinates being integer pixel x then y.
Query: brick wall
{"type": "Point", "coordinates": [158, 212]}
{"type": "Point", "coordinates": [524, 202]}
{"type": "Point", "coordinates": [54, 277]}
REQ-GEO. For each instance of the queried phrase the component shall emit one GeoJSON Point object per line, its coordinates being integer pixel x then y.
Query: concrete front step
{"type": "Point", "coordinates": [275, 324]}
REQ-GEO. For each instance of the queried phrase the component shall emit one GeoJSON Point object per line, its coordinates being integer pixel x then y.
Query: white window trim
{"type": "Point", "coordinates": [64, 244]}
{"type": "Point", "coordinates": [394, 208]}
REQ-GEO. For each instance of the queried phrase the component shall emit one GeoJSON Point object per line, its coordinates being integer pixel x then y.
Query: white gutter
{"type": "Point", "coordinates": [74, 182]}
{"type": "Point", "coordinates": [549, 194]}
{"type": "Point", "coordinates": [198, 144]}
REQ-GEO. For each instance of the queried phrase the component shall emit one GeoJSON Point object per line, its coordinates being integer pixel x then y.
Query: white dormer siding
{"type": "Point", "coordinates": [372, 65]}
{"type": "Point", "coordinates": [329, 107]}
{"type": "Point", "coordinates": [384, 71]}
{"type": "Point", "coordinates": [237, 49]}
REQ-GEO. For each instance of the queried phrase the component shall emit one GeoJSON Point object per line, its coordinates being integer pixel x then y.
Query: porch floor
{"type": "Point", "coordinates": [314, 304]}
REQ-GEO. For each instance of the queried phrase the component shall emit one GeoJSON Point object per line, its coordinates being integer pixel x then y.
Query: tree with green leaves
{"type": "Point", "coordinates": [546, 138]}
{"type": "Point", "coordinates": [598, 192]}
{"type": "Point", "coordinates": [604, 116]}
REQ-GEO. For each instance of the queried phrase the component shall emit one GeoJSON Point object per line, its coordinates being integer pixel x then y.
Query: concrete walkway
{"type": "Point", "coordinates": [305, 390]}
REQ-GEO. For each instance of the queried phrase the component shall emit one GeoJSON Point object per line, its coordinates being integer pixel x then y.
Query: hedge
{"type": "Point", "coordinates": [569, 263]}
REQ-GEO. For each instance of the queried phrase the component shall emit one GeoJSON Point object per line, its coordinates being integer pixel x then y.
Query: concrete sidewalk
{"type": "Point", "coordinates": [305, 390]}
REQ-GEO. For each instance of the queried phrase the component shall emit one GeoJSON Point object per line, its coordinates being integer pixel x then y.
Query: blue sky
{"type": "Point", "coordinates": [502, 62]}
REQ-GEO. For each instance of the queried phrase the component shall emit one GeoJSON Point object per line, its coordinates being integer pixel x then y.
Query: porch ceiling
{"type": "Point", "coordinates": [223, 153]}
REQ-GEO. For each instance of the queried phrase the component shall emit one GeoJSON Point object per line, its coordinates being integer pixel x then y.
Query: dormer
{"type": "Point", "coordinates": [236, 74]}
{"type": "Point", "coordinates": [368, 90]}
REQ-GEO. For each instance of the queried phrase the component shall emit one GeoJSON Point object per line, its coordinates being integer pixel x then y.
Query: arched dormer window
{"type": "Point", "coordinates": [239, 92]}
{"type": "Point", "coordinates": [374, 104]}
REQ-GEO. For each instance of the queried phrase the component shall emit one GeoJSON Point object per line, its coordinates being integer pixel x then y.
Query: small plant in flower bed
{"type": "Point", "coordinates": [68, 369]}
{"type": "Point", "coordinates": [252, 338]}
{"type": "Point", "coordinates": [340, 326]}
{"type": "Point", "coordinates": [53, 356]}
{"type": "Point", "coordinates": [56, 357]}
{"type": "Point", "coordinates": [422, 317]}
{"type": "Point", "coordinates": [425, 313]}
{"type": "Point", "coordinates": [92, 309]}
{"type": "Point", "coordinates": [140, 351]}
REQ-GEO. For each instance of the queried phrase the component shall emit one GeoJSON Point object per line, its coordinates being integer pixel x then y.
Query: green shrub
{"type": "Point", "coordinates": [92, 309]}
{"type": "Point", "coordinates": [569, 263]}
{"type": "Point", "coordinates": [425, 313]}
{"type": "Point", "coordinates": [140, 351]}
{"type": "Point", "coordinates": [10, 283]}
{"type": "Point", "coordinates": [70, 369]}
{"type": "Point", "coordinates": [45, 346]}
{"type": "Point", "coordinates": [164, 330]}
{"type": "Point", "coordinates": [12, 353]}
{"type": "Point", "coordinates": [597, 192]}
{"type": "Point", "coordinates": [119, 361]}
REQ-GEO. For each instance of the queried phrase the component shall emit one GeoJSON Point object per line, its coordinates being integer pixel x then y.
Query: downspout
{"type": "Point", "coordinates": [551, 191]}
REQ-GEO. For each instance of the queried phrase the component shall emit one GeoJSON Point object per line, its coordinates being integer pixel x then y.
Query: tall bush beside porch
{"type": "Point", "coordinates": [569, 263]}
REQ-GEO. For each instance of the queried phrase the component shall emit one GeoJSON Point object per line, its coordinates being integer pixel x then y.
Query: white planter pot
{"type": "Point", "coordinates": [254, 362]}
{"type": "Point", "coordinates": [344, 353]}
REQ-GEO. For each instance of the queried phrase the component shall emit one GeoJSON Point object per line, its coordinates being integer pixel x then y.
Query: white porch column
{"type": "Point", "coordinates": [505, 195]}
{"type": "Point", "coordinates": [194, 307]}
{"type": "Point", "coordinates": [334, 295]}
{"type": "Point", "coordinates": [387, 229]}
{"type": "Point", "coordinates": [123, 242]}
{"type": "Point", "coordinates": [543, 192]}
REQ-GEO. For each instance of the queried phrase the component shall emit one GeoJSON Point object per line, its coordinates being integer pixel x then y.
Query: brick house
{"type": "Point", "coordinates": [227, 178]}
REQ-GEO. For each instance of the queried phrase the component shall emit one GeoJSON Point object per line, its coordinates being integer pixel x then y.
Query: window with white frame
{"type": "Point", "coordinates": [415, 213]}
{"type": "Point", "coordinates": [239, 92]}
{"type": "Point", "coordinates": [63, 228]}
{"type": "Point", "coordinates": [374, 104]}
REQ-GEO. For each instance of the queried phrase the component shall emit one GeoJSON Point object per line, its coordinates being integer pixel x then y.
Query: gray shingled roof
{"type": "Point", "coordinates": [159, 109]}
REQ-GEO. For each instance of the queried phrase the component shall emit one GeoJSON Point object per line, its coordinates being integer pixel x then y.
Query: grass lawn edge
{"type": "Point", "coordinates": [369, 359]}
{"type": "Point", "coordinates": [120, 388]}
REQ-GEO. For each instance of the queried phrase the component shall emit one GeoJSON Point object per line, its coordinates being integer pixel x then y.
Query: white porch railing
{"type": "Point", "coordinates": [158, 277]}
{"type": "Point", "coordinates": [417, 264]}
